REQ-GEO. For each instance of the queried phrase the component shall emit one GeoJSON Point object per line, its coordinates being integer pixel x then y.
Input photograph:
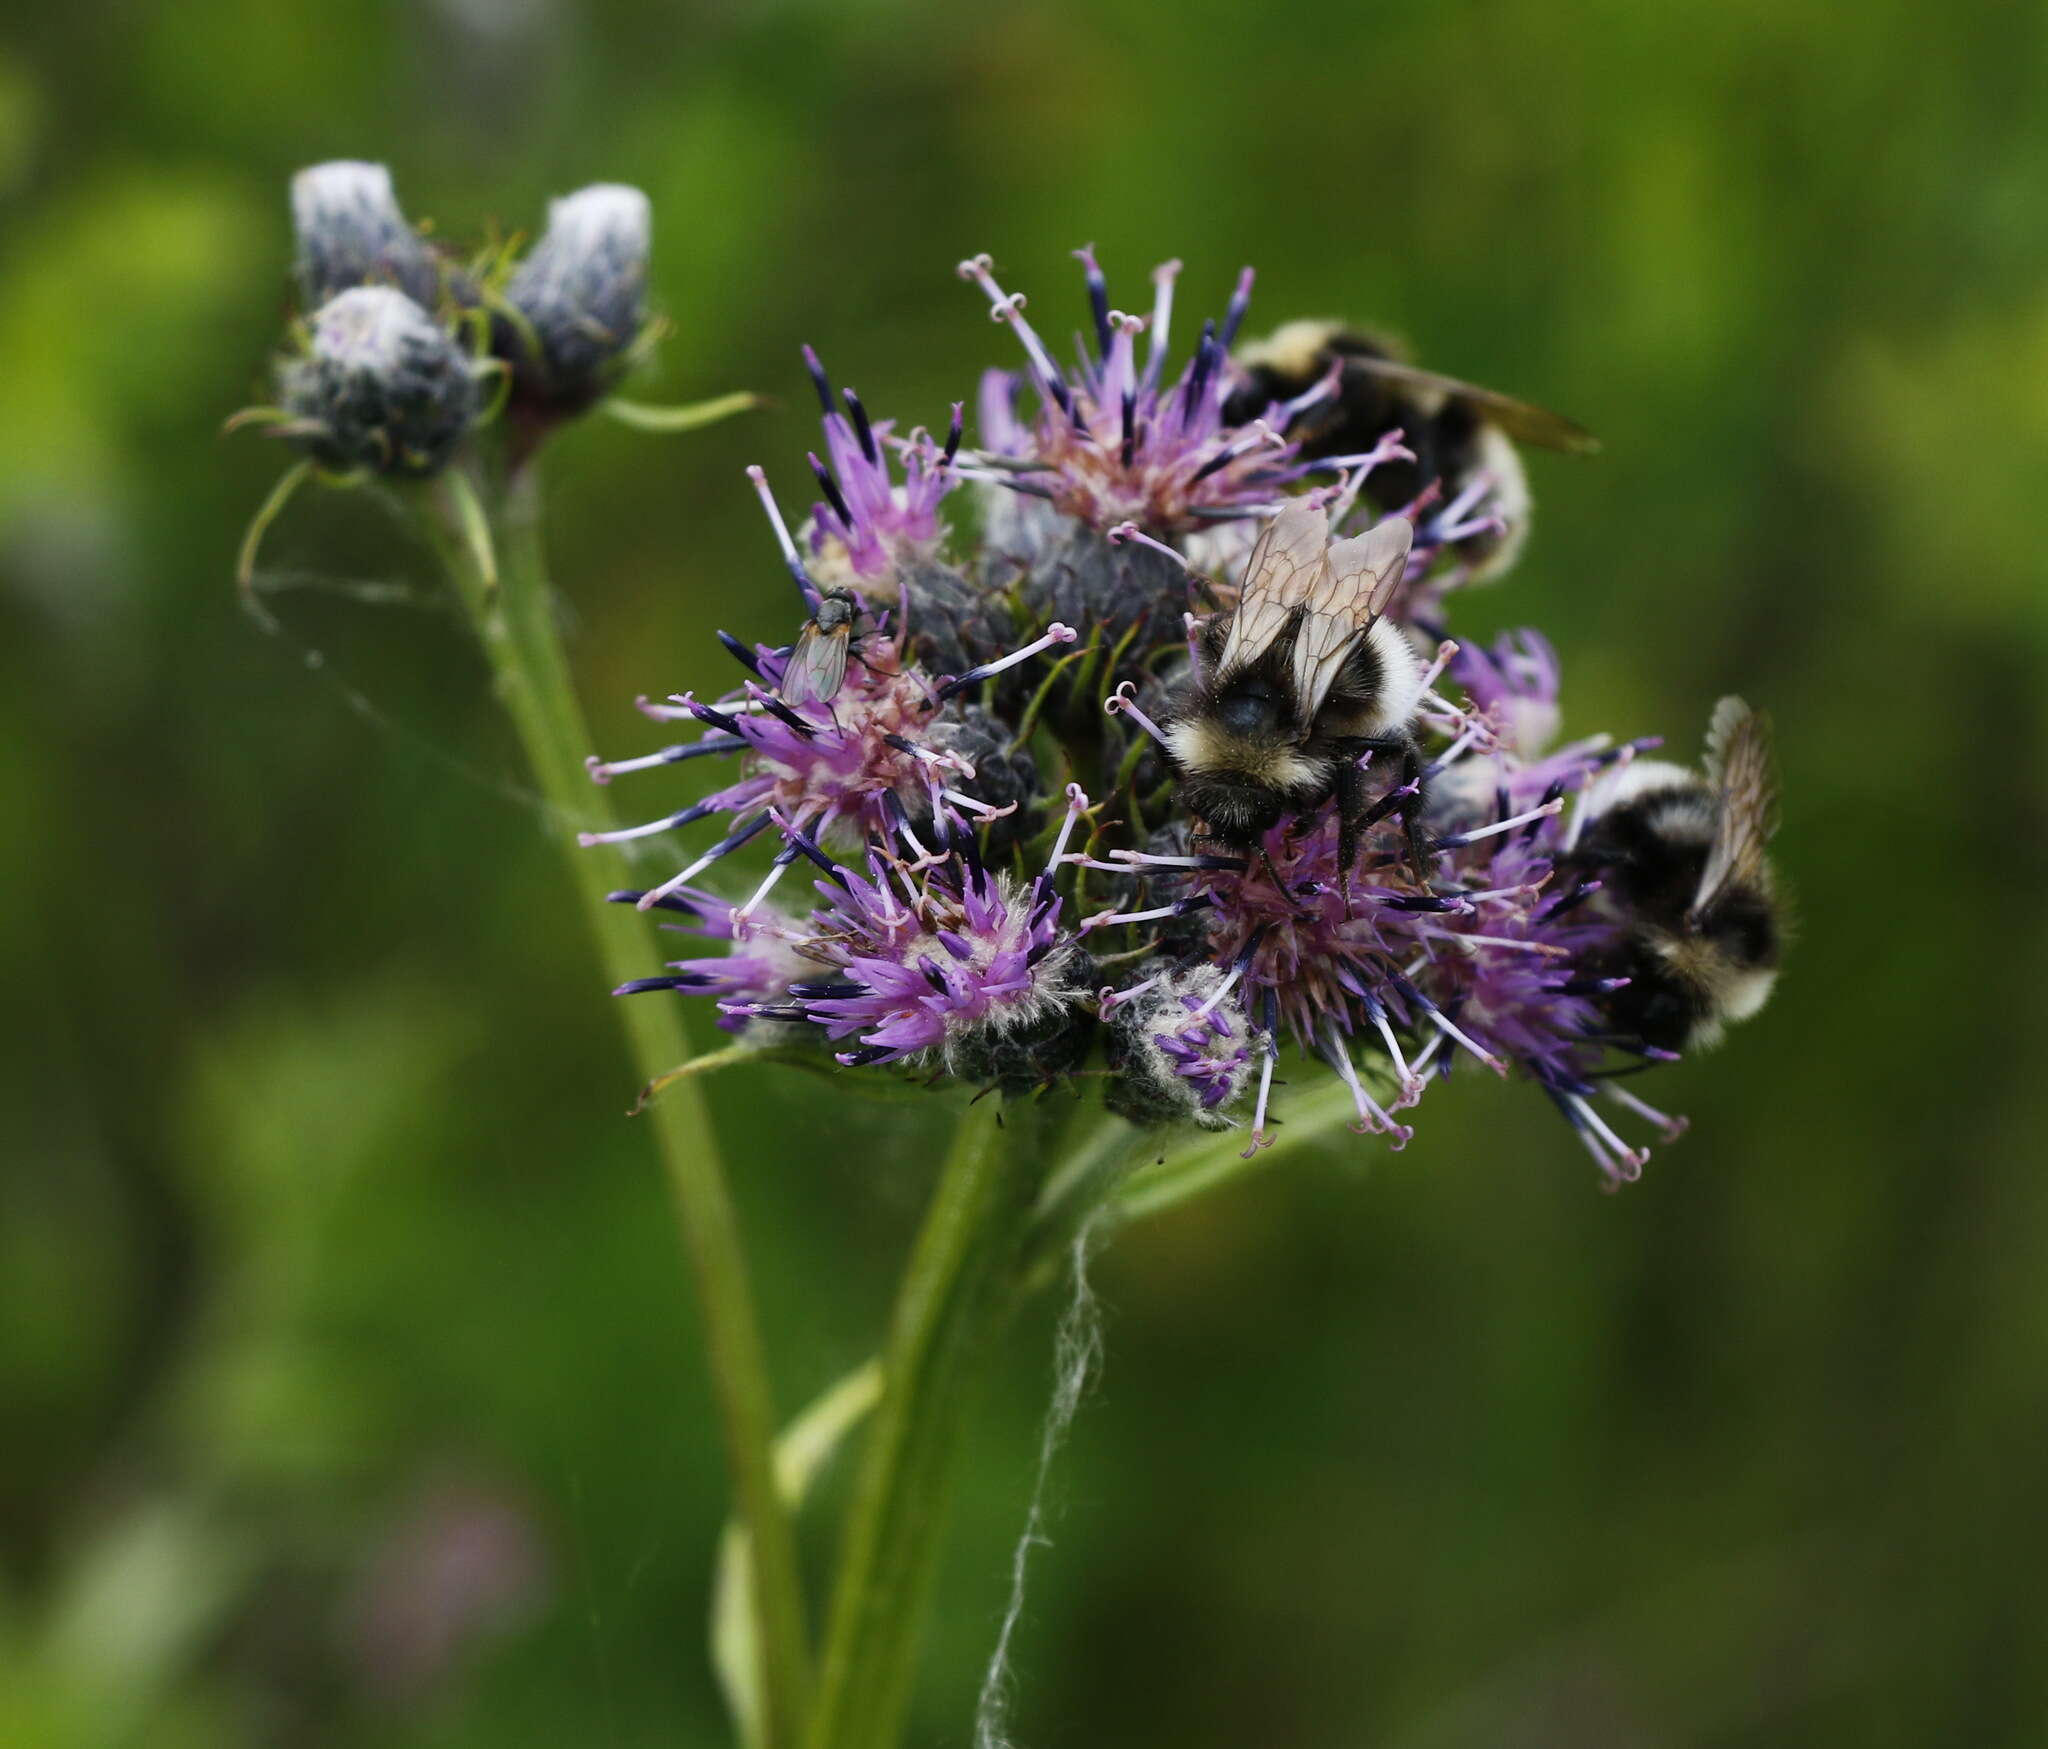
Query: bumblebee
{"type": "Point", "coordinates": [1458, 431]}
{"type": "Point", "coordinates": [1680, 857]}
{"type": "Point", "coordinates": [1299, 682]}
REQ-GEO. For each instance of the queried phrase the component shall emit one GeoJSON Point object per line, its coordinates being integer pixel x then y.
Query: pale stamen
{"type": "Point", "coordinates": [1163, 277]}
{"type": "Point", "coordinates": [651, 898]}
{"type": "Point", "coordinates": [1633, 1159]}
{"type": "Point", "coordinates": [1056, 633]}
{"type": "Point", "coordinates": [1077, 805]}
{"type": "Point", "coordinates": [604, 770]}
{"type": "Point", "coordinates": [788, 546]}
{"type": "Point", "coordinates": [1670, 1127]}
{"type": "Point", "coordinates": [1010, 308]}
{"type": "Point", "coordinates": [1108, 1000]}
{"type": "Point", "coordinates": [1259, 1137]}
{"type": "Point", "coordinates": [1373, 1119]}
{"type": "Point", "coordinates": [1130, 531]}
{"type": "Point", "coordinates": [1444, 652]}
{"type": "Point", "coordinates": [1457, 840]}
{"type": "Point", "coordinates": [1120, 703]}
{"type": "Point", "coordinates": [626, 834]}
{"type": "Point", "coordinates": [1222, 990]}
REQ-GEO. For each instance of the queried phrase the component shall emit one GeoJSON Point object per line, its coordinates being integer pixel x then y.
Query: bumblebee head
{"type": "Point", "coordinates": [1233, 807]}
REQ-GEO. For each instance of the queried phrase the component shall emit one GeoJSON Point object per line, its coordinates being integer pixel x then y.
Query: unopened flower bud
{"type": "Point", "coordinates": [351, 232]}
{"type": "Point", "coordinates": [380, 386]}
{"type": "Point", "coordinates": [580, 298]}
{"type": "Point", "coordinates": [1179, 1046]}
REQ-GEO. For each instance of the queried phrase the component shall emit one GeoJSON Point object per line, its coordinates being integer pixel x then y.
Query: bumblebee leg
{"type": "Point", "coordinates": [1272, 872]}
{"type": "Point", "coordinates": [1352, 812]}
{"type": "Point", "coordinates": [1409, 797]}
{"type": "Point", "coordinates": [1414, 806]}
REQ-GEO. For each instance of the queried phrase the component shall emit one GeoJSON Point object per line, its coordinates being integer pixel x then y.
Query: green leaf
{"type": "Point", "coordinates": [688, 418]}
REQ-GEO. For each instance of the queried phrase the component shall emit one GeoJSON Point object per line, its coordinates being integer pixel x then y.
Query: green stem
{"type": "Point", "coordinates": [956, 1295]}
{"type": "Point", "coordinates": [511, 608]}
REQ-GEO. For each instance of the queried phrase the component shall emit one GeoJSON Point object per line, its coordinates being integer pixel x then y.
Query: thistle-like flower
{"type": "Point", "coordinates": [380, 386]}
{"type": "Point", "coordinates": [1481, 910]}
{"type": "Point", "coordinates": [1115, 441]}
{"type": "Point", "coordinates": [867, 527]}
{"type": "Point", "coordinates": [938, 960]}
{"type": "Point", "coordinates": [351, 232]}
{"type": "Point", "coordinates": [884, 758]}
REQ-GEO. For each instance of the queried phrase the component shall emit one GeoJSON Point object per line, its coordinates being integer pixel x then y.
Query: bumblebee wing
{"type": "Point", "coordinates": [1358, 580]}
{"type": "Point", "coordinates": [1738, 766]}
{"type": "Point", "coordinates": [817, 666]}
{"type": "Point", "coordinates": [1521, 420]}
{"type": "Point", "coordinates": [1285, 569]}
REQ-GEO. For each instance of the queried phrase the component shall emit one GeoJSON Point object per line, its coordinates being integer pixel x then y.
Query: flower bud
{"type": "Point", "coordinates": [580, 299]}
{"type": "Point", "coordinates": [351, 232]}
{"type": "Point", "coordinates": [1179, 1046]}
{"type": "Point", "coordinates": [380, 386]}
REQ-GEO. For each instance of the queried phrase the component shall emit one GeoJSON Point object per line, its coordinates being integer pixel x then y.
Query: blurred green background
{"type": "Point", "coordinates": [351, 1385]}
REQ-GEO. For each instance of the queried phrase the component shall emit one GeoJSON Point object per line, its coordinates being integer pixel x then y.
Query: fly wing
{"type": "Point", "coordinates": [817, 666]}
{"type": "Point", "coordinates": [1358, 580]}
{"type": "Point", "coordinates": [1738, 766]}
{"type": "Point", "coordinates": [1521, 420]}
{"type": "Point", "coordinates": [1284, 570]}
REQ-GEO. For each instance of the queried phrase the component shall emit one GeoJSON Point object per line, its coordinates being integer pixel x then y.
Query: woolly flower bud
{"type": "Point", "coordinates": [380, 386]}
{"type": "Point", "coordinates": [351, 232]}
{"type": "Point", "coordinates": [1180, 1047]}
{"type": "Point", "coordinates": [580, 293]}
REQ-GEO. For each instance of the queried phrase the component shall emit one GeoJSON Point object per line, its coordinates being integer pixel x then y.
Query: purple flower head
{"type": "Point", "coordinates": [1180, 1047]}
{"type": "Point", "coordinates": [1515, 686]}
{"type": "Point", "coordinates": [882, 758]}
{"type": "Point", "coordinates": [760, 963]}
{"type": "Point", "coordinates": [867, 524]}
{"type": "Point", "coordinates": [1114, 440]}
{"type": "Point", "coordinates": [1497, 958]}
{"type": "Point", "coordinates": [939, 960]}
{"type": "Point", "coordinates": [1483, 900]}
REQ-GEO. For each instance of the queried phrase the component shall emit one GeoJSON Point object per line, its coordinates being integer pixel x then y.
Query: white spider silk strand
{"type": "Point", "coordinates": [1077, 1353]}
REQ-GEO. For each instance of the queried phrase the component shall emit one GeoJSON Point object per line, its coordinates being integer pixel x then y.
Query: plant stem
{"type": "Point", "coordinates": [511, 608]}
{"type": "Point", "coordinates": [955, 1298]}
